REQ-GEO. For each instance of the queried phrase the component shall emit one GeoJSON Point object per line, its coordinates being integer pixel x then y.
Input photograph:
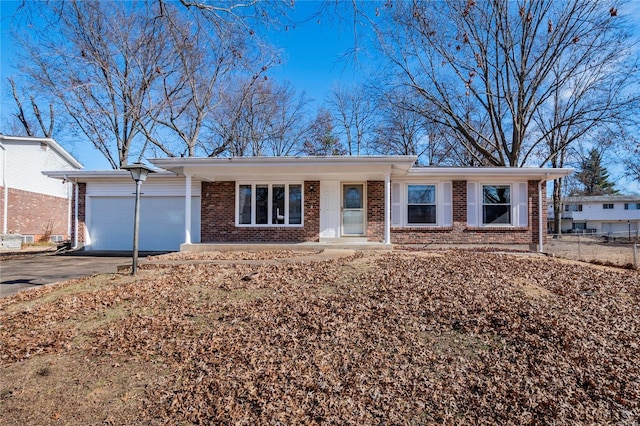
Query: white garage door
{"type": "Point", "coordinates": [110, 223]}
{"type": "Point", "coordinates": [618, 228]}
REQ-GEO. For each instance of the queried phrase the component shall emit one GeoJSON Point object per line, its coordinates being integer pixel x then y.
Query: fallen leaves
{"type": "Point", "coordinates": [460, 337]}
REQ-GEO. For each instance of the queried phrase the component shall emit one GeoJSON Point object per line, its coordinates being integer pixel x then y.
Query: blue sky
{"type": "Point", "coordinates": [314, 60]}
{"type": "Point", "coordinates": [316, 57]}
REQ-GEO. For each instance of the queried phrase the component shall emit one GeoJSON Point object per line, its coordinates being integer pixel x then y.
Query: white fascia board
{"type": "Point", "coordinates": [307, 168]}
{"type": "Point", "coordinates": [93, 175]}
{"type": "Point", "coordinates": [50, 142]}
{"type": "Point", "coordinates": [471, 173]}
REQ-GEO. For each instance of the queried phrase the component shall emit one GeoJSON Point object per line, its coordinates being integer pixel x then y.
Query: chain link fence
{"type": "Point", "coordinates": [611, 248]}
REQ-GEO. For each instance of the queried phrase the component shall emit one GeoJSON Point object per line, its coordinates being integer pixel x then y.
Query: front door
{"type": "Point", "coordinates": [353, 214]}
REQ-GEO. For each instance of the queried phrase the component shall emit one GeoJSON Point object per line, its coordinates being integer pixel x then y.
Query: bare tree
{"type": "Point", "coordinates": [102, 61]}
{"type": "Point", "coordinates": [631, 157]}
{"type": "Point", "coordinates": [205, 57]}
{"type": "Point", "coordinates": [403, 129]}
{"type": "Point", "coordinates": [24, 118]}
{"type": "Point", "coordinates": [593, 102]}
{"type": "Point", "coordinates": [259, 118]}
{"type": "Point", "coordinates": [489, 67]}
{"type": "Point", "coordinates": [354, 110]}
{"type": "Point", "coordinates": [289, 123]}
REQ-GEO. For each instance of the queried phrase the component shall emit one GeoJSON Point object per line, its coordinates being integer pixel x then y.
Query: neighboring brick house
{"type": "Point", "coordinates": [32, 204]}
{"type": "Point", "coordinates": [362, 200]}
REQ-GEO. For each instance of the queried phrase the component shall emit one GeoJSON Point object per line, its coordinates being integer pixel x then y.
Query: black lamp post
{"type": "Point", "coordinates": [139, 174]}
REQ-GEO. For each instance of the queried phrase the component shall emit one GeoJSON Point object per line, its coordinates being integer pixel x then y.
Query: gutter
{"type": "Point", "coordinates": [5, 203]}
{"type": "Point", "coordinates": [75, 217]}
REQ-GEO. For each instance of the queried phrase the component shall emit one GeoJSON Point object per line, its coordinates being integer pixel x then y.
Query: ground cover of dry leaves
{"type": "Point", "coordinates": [451, 337]}
{"type": "Point", "coordinates": [239, 255]}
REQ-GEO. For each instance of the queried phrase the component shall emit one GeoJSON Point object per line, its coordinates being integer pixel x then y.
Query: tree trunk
{"type": "Point", "coordinates": [557, 207]}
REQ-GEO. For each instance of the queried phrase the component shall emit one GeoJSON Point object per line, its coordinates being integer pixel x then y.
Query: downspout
{"type": "Point", "coordinates": [75, 217]}
{"type": "Point", "coordinates": [5, 193]}
{"type": "Point", "coordinates": [387, 209]}
{"type": "Point", "coordinates": [187, 208]}
{"type": "Point", "coordinates": [70, 198]}
{"type": "Point", "coordinates": [540, 228]}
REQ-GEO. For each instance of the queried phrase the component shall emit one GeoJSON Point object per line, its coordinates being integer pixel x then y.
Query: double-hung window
{"type": "Point", "coordinates": [269, 204]}
{"type": "Point", "coordinates": [421, 204]}
{"type": "Point", "coordinates": [496, 204]}
{"type": "Point", "coordinates": [607, 206]}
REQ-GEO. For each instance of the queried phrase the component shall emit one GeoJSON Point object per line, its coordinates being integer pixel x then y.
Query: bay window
{"type": "Point", "coordinates": [269, 204]}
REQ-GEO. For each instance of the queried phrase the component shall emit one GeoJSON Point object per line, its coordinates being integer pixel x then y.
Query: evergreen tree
{"type": "Point", "coordinates": [321, 138]}
{"type": "Point", "coordinates": [593, 176]}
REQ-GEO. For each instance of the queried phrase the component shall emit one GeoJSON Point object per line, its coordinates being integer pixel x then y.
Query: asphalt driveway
{"type": "Point", "coordinates": [29, 271]}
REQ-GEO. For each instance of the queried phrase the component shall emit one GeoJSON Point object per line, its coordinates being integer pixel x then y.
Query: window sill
{"type": "Point", "coordinates": [422, 228]}
{"type": "Point", "coordinates": [494, 228]}
{"type": "Point", "coordinates": [266, 226]}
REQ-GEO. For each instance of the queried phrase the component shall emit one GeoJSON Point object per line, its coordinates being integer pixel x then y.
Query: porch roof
{"type": "Point", "coordinates": [302, 168]}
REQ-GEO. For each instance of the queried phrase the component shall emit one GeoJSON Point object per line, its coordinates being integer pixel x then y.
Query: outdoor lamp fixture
{"type": "Point", "coordinates": [139, 174]}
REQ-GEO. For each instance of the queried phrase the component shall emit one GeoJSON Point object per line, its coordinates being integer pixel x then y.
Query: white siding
{"type": "Point", "coordinates": [153, 186]}
{"type": "Point", "coordinates": [25, 163]}
{"type": "Point", "coordinates": [595, 212]}
{"type": "Point", "coordinates": [473, 210]}
{"type": "Point", "coordinates": [396, 204]}
{"type": "Point", "coordinates": [445, 204]}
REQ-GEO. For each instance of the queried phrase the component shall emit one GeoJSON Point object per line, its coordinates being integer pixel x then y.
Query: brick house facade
{"type": "Point", "coordinates": [218, 213]}
{"type": "Point", "coordinates": [31, 204]}
{"type": "Point", "coordinates": [218, 220]}
{"type": "Point", "coordinates": [35, 214]}
{"type": "Point", "coordinates": [228, 194]}
{"type": "Point", "coordinates": [461, 233]}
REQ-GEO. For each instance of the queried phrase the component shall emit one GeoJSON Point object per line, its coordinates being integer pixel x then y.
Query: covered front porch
{"type": "Point", "coordinates": [301, 201]}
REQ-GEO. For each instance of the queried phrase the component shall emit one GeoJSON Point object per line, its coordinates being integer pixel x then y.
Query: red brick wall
{"type": "Point", "coordinates": [82, 192]}
{"type": "Point", "coordinates": [460, 233]}
{"type": "Point", "coordinates": [218, 218]}
{"type": "Point", "coordinates": [375, 211]}
{"type": "Point", "coordinates": [30, 213]}
{"type": "Point", "coordinates": [534, 209]}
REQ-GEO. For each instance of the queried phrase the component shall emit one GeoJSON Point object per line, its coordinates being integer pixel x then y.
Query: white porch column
{"type": "Point", "coordinates": [187, 209]}
{"type": "Point", "coordinates": [387, 209]}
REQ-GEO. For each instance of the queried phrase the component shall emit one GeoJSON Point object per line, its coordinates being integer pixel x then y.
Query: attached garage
{"type": "Point", "coordinates": [110, 215]}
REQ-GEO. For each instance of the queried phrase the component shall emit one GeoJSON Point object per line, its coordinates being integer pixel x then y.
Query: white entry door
{"type": "Point", "coordinates": [329, 209]}
{"type": "Point", "coordinates": [353, 214]}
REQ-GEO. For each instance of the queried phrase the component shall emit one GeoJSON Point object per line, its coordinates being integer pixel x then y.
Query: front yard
{"type": "Point", "coordinates": [418, 337]}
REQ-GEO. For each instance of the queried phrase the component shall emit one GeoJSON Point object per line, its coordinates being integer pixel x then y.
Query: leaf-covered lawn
{"type": "Point", "coordinates": [403, 338]}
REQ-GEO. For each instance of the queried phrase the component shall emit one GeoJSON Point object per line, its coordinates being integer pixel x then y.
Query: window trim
{"type": "Point", "coordinates": [481, 204]}
{"type": "Point", "coordinates": [270, 185]}
{"type": "Point", "coordinates": [605, 206]}
{"type": "Point", "coordinates": [437, 203]}
{"type": "Point", "coordinates": [399, 203]}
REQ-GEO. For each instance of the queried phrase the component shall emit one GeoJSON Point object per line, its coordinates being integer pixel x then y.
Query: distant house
{"type": "Point", "coordinates": [606, 214]}
{"type": "Point", "coordinates": [330, 200]}
{"type": "Point", "coordinates": [32, 204]}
